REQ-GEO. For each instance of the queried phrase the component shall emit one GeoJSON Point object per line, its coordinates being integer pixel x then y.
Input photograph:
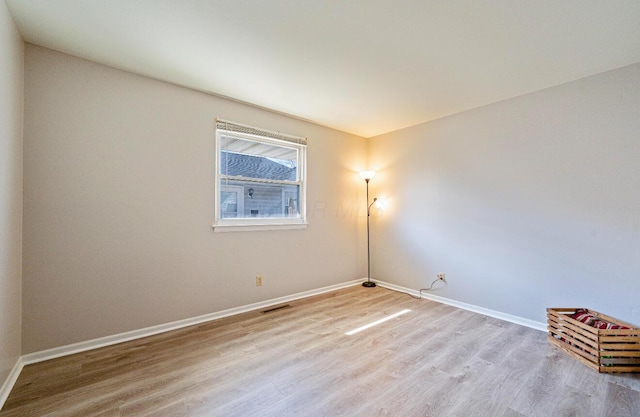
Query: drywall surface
{"type": "Point", "coordinates": [119, 202]}
{"type": "Point", "coordinates": [11, 103]}
{"type": "Point", "coordinates": [525, 204]}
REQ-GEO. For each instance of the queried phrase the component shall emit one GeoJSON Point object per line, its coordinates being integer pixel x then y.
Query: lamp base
{"type": "Point", "coordinates": [369, 284]}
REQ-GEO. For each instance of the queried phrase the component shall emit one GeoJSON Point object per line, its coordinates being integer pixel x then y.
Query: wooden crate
{"type": "Point", "coordinates": [610, 351]}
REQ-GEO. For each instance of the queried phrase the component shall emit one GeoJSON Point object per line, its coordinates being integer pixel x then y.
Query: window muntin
{"type": "Point", "coordinates": [260, 179]}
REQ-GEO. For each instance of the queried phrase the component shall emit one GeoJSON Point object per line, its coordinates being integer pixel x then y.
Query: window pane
{"type": "Point", "coordinates": [244, 158]}
{"type": "Point", "coordinates": [260, 200]}
{"type": "Point", "coordinates": [231, 201]}
{"type": "Point", "coordinates": [228, 204]}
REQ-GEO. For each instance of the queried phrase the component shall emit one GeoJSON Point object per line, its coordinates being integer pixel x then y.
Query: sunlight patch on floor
{"type": "Point", "coordinates": [375, 323]}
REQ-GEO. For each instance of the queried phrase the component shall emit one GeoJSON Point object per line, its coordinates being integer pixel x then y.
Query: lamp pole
{"type": "Point", "coordinates": [368, 282]}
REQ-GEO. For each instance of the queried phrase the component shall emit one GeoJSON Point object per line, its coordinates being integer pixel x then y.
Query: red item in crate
{"type": "Point", "coordinates": [583, 316]}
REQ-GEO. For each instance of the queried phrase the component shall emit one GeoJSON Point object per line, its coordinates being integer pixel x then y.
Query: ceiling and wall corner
{"type": "Point", "coordinates": [361, 66]}
{"type": "Point", "coordinates": [11, 123]}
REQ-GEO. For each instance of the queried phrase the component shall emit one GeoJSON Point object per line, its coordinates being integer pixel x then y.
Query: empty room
{"type": "Point", "coordinates": [319, 208]}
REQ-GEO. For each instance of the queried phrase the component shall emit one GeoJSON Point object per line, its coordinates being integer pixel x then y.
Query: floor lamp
{"type": "Point", "coordinates": [367, 175]}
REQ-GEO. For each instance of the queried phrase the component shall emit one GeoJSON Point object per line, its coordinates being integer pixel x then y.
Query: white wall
{"type": "Point", "coordinates": [119, 179]}
{"type": "Point", "coordinates": [525, 204]}
{"type": "Point", "coordinates": [11, 102]}
{"type": "Point", "coordinates": [529, 203]}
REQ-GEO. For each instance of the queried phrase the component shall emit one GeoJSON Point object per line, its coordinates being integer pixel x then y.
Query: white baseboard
{"type": "Point", "coordinates": [6, 388]}
{"type": "Point", "coordinates": [150, 331]}
{"type": "Point", "coordinates": [470, 307]}
{"type": "Point", "coordinates": [57, 352]}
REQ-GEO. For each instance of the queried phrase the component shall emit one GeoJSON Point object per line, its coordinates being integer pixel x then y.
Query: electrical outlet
{"type": "Point", "coordinates": [441, 276]}
{"type": "Point", "coordinates": [258, 280]}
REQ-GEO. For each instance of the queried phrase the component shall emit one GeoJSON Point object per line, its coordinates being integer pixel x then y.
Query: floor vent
{"type": "Point", "coordinates": [271, 310]}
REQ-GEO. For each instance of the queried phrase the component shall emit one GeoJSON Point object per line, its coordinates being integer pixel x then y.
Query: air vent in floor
{"type": "Point", "coordinates": [271, 310]}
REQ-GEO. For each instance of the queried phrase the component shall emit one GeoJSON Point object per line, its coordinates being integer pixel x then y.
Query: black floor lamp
{"type": "Point", "coordinates": [367, 175]}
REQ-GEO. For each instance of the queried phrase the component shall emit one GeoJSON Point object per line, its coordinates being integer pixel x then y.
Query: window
{"type": "Point", "coordinates": [260, 179]}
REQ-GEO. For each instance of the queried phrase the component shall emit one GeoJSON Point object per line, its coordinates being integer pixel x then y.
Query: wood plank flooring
{"type": "Point", "coordinates": [435, 360]}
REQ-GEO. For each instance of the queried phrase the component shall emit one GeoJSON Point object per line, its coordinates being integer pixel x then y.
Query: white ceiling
{"type": "Point", "coordinates": [361, 66]}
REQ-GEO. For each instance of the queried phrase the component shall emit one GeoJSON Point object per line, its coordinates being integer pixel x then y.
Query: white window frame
{"type": "Point", "coordinates": [226, 128]}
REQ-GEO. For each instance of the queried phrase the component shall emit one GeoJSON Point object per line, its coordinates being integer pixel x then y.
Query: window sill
{"type": "Point", "coordinates": [257, 227]}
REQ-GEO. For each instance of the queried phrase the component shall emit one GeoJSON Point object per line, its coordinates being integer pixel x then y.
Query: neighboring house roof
{"type": "Point", "coordinates": [241, 165]}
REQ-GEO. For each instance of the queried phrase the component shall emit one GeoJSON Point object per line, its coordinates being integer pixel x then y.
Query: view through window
{"type": "Point", "coordinates": [260, 177]}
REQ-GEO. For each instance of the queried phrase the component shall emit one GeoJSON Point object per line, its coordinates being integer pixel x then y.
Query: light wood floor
{"type": "Point", "coordinates": [435, 360]}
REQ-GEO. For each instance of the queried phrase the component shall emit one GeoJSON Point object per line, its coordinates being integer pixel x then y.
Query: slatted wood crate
{"type": "Point", "coordinates": [610, 350]}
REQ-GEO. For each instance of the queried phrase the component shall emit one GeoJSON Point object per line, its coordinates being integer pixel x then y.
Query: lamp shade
{"type": "Point", "coordinates": [367, 175]}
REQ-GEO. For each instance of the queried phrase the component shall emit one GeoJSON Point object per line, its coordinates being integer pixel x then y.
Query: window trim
{"type": "Point", "coordinates": [272, 138]}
